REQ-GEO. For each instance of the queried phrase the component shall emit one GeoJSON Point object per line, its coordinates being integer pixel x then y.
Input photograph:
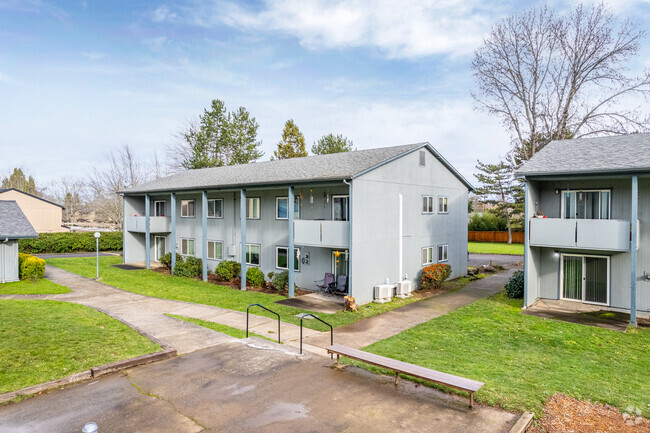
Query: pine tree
{"type": "Point", "coordinates": [19, 181]}
{"type": "Point", "coordinates": [331, 143]}
{"type": "Point", "coordinates": [498, 187]}
{"type": "Point", "coordinates": [292, 144]}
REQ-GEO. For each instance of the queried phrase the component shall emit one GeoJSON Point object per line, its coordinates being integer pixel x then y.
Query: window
{"type": "Point", "coordinates": [586, 204]}
{"type": "Point", "coordinates": [282, 259]}
{"type": "Point", "coordinates": [442, 253]}
{"type": "Point", "coordinates": [215, 250]}
{"type": "Point", "coordinates": [187, 247]}
{"type": "Point", "coordinates": [253, 208]}
{"type": "Point", "coordinates": [159, 207]}
{"type": "Point", "coordinates": [423, 159]}
{"type": "Point", "coordinates": [427, 256]}
{"type": "Point", "coordinates": [252, 254]}
{"type": "Point", "coordinates": [427, 204]}
{"type": "Point", "coordinates": [443, 205]}
{"type": "Point", "coordinates": [187, 208]}
{"type": "Point", "coordinates": [340, 208]}
{"type": "Point", "coordinates": [282, 210]}
{"type": "Point", "coordinates": [215, 208]}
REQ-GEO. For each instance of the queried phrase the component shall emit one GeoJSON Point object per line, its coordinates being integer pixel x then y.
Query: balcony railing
{"type": "Point", "coordinates": [156, 224]}
{"type": "Point", "coordinates": [317, 233]}
{"type": "Point", "coordinates": [586, 234]}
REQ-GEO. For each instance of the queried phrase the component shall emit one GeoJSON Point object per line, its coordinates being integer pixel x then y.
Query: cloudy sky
{"type": "Point", "coordinates": [80, 78]}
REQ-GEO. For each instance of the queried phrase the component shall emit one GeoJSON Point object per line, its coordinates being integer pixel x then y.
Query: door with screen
{"type": "Point", "coordinates": [585, 278]}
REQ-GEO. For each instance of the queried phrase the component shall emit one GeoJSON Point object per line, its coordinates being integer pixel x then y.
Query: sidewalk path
{"type": "Point", "coordinates": [148, 314]}
{"type": "Point", "coordinates": [393, 322]}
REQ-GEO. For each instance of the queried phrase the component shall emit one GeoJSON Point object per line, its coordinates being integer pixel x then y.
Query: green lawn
{"type": "Point", "coordinates": [153, 283]}
{"type": "Point", "coordinates": [46, 340]}
{"type": "Point", "coordinates": [224, 329]}
{"type": "Point", "coordinates": [524, 359]}
{"type": "Point", "coordinates": [495, 248]}
{"type": "Point", "coordinates": [26, 287]}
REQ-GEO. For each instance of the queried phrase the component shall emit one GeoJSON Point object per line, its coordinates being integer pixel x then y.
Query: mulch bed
{"type": "Point", "coordinates": [564, 414]}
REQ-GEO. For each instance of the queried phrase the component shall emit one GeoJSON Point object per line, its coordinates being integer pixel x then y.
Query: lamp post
{"type": "Point", "coordinates": [97, 235]}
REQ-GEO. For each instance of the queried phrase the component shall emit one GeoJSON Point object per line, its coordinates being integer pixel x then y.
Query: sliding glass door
{"type": "Point", "coordinates": [588, 204]}
{"type": "Point", "coordinates": [585, 278]}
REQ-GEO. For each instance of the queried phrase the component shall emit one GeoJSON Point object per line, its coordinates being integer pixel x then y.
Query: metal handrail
{"type": "Point", "coordinates": [320, 320]}
{"type": "Point", "coordinates": [270, 311]}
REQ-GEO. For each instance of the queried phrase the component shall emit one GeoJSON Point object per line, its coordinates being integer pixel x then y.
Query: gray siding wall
{"type": "Point", "coordinates": [9, 261]}
{"type": "Point", "coordinates": [544, 278]}
{"type": "Point", "coordinates": [375, 222]}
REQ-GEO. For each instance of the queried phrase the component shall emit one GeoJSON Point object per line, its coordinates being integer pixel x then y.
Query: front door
{"type": "Point", "coordinates": [585, 278]}
{"type": "Point", "coordinates": [340, 262]}
{"type": "Point", "coordinates": [159, 247]}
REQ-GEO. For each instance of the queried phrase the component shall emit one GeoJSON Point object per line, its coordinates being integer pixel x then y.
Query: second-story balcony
{"type": "Point", "coordinates": [585, 234]}
{"type": "Point", "coordinates": [322, 233]}
{"type": "Point", "coordinates": [157, 224]}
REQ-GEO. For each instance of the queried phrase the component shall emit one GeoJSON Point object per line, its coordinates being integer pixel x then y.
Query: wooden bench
{"type": "Point", "coordinates": [471, 386]}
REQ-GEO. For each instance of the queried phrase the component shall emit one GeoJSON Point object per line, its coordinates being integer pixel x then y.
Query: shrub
{"type": "Point", "coordinates": [166, 260]}
{"type": "Point", "coordinates": [255, 277]}
{"type": "Point", "coordinates": [515, 285]}
{"type": "Point", "coordinates": [30, 267]}
{"type": "Point", "coordinates": [228, 269]}
{"type": "Point", "coordinates": [190, 267]}
{"type": "Point", "coordinates": [280, 280]}
{"type": "Point", "coordinates": [70, 242]}
{"type": "Point", "coordinates": [434, 275]}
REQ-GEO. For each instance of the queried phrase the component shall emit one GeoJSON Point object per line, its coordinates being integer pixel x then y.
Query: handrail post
{"type": "Point", "coordinates": [322, 321]}
{"type": "Point", "coordinates": [270, 311]}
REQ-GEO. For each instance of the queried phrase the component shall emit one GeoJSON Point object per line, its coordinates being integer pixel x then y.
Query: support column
{"type": "Point", "coordinates": [204, 234]}
{"type": "Point", "coordinates": [147, 231]}
{"type": "Point", "coordinates": [633, 245]}
{"type": "Point", "coordinates": [173, 236]}
{"type": "Point", "coordinates": [123, 229]}
{"type": "Point", "coordinates": [242, 217]}
{"type": "Point", "coordinates": [526, 246]}
{"type": "Point", "coordinates": [290, 253]}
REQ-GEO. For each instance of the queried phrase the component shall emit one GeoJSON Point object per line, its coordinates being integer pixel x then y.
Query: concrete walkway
{"type": "Point", "coordinates": [148, 314]}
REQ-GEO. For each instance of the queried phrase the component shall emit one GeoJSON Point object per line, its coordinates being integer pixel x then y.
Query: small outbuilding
{"type": "Point", "coordinates": [14, 225]}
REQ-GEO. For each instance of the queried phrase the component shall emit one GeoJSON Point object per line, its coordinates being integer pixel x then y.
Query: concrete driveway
{"type": "Point", "coordinates": [249, 386]}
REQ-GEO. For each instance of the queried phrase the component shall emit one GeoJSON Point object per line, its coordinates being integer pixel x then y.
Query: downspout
{"type": "Point", "coordinates": [400, 249]}
{"type": "Point", "coordinates": [147, 231]}
{"type": "Point", "coordinates": [633, 246]}
{"type": "Point", "coordinates": [204, 234]}
{"type": "Point", "coordinates": [242, 219]}
{"type": "Point", "coordinates": [349, 184]}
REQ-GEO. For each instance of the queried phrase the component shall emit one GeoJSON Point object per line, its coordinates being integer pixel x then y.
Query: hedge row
{"type": "Point", "coordinates": [70, 242]}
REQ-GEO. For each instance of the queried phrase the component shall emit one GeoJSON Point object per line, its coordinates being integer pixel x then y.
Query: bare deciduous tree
{"type": "Point", "coordinates": [550, 77]}
{"type": "Point", "coordinates": [72, 194]}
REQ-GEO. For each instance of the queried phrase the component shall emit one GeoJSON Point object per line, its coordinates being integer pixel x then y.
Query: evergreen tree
{"type": "Point", "coordinates": [292, 144]}
{"type": "Point", "coordinates": [331, 143]}
{"type": "Point", "coordinates": [19, 181]}
{"type": "Point", "coordinates": [498, 187]}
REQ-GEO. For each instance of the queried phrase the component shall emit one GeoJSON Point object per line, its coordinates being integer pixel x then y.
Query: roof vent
{"type": "Point", "coordinates": [422, 158]}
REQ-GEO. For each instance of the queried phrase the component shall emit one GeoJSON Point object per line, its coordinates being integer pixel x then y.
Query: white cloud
{"type": "Point", "coordinates": [34, 6]}
{"type": "Point", "coordinates": [155, 43]}
{"type": "Point", "coordinates": [398, 29]}
{"type": "Point", "coordinates": [93, 55]}
{"type": "Point", "coordinates": [163, 13]}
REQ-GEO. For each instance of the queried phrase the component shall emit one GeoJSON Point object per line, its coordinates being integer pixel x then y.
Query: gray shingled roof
{"type": "Point", "coordinates": [13, 222]}
{"type": "Point", "coordinates": [613, 154]}
{"type": "Point", "coordinates": [316, 168]}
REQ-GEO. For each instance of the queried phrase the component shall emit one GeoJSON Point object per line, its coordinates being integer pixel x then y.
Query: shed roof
{"type": "Point", "coordinates": [31, 195]}
{"type": "Point", "coordinates": [612, 154]}
{"type": "Point", "coordinates": [13, 222]}
{"type": "Point", "coordinates": [316, 168]}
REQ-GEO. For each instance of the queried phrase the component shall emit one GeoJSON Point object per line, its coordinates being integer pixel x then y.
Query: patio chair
{"type": "Point", "coordinates": [341, 286]}
{"type": "Point", "coordinates": [327, 282]}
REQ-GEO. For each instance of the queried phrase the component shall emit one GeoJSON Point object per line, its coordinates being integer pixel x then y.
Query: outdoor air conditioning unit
{"type": "Point", "coordinates": [383, 293]}
{"type": "Point", "coordinates": [403, 289]}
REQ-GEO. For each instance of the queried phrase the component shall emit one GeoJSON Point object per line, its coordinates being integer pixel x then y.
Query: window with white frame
{"type": "Point", "coordinates": [187, 247]}
{"type": "Point", "coordinates": [215, 208]}
{"type": "Point", "coordinates": [253, 208]}
{"type": "Point", "coordinates": [442, 253]}
{"type": "Point", "coordinates": [282, 258]}
{"type": "Point", "coordinates": [427, 256]}
{"type": "Point", "coordinates": [253, 254]}
{"type": "Point", "coordinates": [443, 205]}
{"type": "Point", "coordinates": [159, 208]}
{"type": "Point", "coordinates": [282, 208]}
{"type": "Point", "coordinates": [187, 208]}
{"type": "Point", "coordinates": [215, 250]}
{"type": "Point", "coordinates": [427, 204]}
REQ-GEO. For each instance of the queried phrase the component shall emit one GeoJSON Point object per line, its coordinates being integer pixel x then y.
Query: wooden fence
{"type": "Point", "coordinates": [517, 237]}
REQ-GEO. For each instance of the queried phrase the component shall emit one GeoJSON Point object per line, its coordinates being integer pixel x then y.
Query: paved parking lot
{"type": "Point", "coordinates": [249, 385]}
